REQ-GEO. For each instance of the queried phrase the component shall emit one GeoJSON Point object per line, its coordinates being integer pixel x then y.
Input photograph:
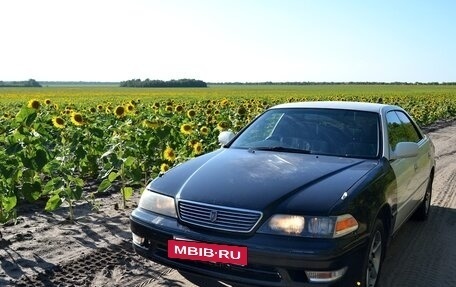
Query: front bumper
{"type": "Point", "coordinates": [272, 260]}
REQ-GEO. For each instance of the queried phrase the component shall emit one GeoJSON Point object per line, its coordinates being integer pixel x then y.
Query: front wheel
{"type": "Point", "coordinates": [376, 251]}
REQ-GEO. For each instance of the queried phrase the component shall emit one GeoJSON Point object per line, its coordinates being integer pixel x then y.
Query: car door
{"type": "Point", "coordinates": [422, 160]}
{"type": "Point", "coordinates": [405, 169]}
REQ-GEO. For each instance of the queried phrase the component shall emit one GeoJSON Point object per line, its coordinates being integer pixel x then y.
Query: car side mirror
{"type": "Point", "coordinates": [225, 137]}
{"type": "Point", "coordinates": [405, 149]}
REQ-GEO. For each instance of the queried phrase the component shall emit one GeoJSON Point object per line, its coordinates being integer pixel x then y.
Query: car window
{"type": "Point", "coordinates": [412, 134]}
{"type": "Point", "coordinates": [318, 131]}
{"type": "Point", "coordinates": [400, 129]}
{"type": "Point", "coordinates": [260, 129]}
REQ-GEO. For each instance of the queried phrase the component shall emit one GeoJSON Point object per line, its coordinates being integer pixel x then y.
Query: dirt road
{"type": "Point", "coordinates": [44, 250]}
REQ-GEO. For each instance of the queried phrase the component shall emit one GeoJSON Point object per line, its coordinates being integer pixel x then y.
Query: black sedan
{"type": "Point", "coordinates": [308, 194]}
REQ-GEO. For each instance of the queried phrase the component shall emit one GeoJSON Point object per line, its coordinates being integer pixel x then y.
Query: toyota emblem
{"type": "Point", "coordinates": [213, 215]}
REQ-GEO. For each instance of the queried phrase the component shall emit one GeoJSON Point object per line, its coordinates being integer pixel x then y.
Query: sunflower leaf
{"type": "Point", "coordinates": [104, 185]}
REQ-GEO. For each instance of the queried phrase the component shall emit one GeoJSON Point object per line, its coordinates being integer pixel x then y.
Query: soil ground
{"type": "Point", "coordinates": [44, 249]}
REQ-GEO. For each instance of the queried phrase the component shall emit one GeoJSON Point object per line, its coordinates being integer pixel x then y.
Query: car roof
{"type": "Point", "coordinates": [357, 106]}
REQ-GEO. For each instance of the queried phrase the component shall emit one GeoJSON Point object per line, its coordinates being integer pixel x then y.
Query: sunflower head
{"type": "Point", "coordinates": [100, 107]}
{"type": "Point", "coordinates": [34, 104]}
{"type": "Point", "coordinates": [191, 113]}
{"type": "Point", "coordinates": [47, 101]}
{"type": "Point", "coordinates": [204, 130]}
{"type": "Point", "coordinates": [198, 148]}
{"type": "Point", "coordinates": [169, 109]}
{"type": "Point", "coordinates": [130, 107]}
{"type": "Point", "coordinates": [192, 143]}
{"type": "Point", "coordinates": [76, 119]}
{"type": "Point", "coordinates": [186, 129]}
{"type": "Point", "coordinates": [151, 124]}
{"type": "Point", "coordinates": [223, 125]}
{"type": "Point", "coordinates": [93, 110]}
{"type": "Point", "coordinates": [119, 111]}
{"type": "Point", "coordinates": [179, 109]}
{"type": "Point", "coordinates": [58, 122]}
{"type": "Point", "coordinates": [164, 167]}
{"type": "Point", "coordinates": [242, 111]}
{"type": "Point", "coordinates": [169, 155]}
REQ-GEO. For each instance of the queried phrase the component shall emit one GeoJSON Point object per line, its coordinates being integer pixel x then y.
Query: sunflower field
{"type": "Point", "coordinates": [55, 141]}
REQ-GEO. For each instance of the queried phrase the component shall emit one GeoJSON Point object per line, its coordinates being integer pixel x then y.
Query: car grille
{"type": "Point", "coordinates": [218, 217]}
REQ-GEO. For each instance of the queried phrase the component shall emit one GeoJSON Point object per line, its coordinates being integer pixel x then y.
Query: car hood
{"type": "Point", "coordinates": [258, 180]}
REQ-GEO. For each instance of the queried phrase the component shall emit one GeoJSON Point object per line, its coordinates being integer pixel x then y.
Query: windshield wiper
{"type": "Point", "coordinates": [282, 149]}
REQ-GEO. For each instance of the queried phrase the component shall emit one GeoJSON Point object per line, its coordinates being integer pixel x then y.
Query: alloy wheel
{"type": "Point", "coordinates": [375, 257]}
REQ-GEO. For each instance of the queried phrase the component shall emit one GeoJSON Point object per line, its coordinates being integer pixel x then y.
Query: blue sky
{"type": "Point", "coordinates": [225, 41]}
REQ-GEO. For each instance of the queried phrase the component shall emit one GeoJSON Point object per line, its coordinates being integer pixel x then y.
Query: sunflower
{"type": "Point", "coordinates": [179, 108]}
{"type": "Point", "coordinates": [156, 105]}
{"type": "Point", "coordinates": [151, 124]}
{"type": "Point", "coordinates": [164, 167]}
{"type": "Point", "coordinates": [119, 111]}
{"type": "Point", "coordinates": [58, 122]}
{"type": "Point", "coordinates": [191, 113]}
{"type": "Point", "coordinates": [100, 107]}
{"type": "Point", "coordinates": [76, 119]}
{"type": "Point", "coordinates": [192, 143]}
{"type": "Point", "coordinates": [130, 107]}
{"type": "Point", "coordinates": [169, 154]}
{"type": "Point", "coordinates": [204, 130]}
{"type": "Point", "coordinates": [169, 109]}
{"type": "Point", "coordinates": [34, 104]}
{"type": "Point", "coordinates": [47, 101]}
{"type": "Point", "coordinates": [223, 126]}
{"type": "Point", "coordinates": [224, 102]}
{"type": "Point", "coordinates": [242, 111]}
{"type": "Point", "coordinates": [186, 129]}
{"type": "Point", "coordinates": [93, 110]}
{"type": "Point", "coordinates": [197, 148]}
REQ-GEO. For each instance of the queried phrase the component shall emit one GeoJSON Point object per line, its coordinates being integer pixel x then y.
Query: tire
{"type": "Point", "coordinates": [375, 255]}
{"type": "Point", "coordinates": [422, 213]}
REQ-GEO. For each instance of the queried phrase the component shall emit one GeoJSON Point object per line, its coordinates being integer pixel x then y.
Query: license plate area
{"type": "Point", "coordinates": [208, 252]}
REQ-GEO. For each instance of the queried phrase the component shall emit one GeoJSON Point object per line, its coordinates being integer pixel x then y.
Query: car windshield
{"type": "Point", "coordinates": [334, 132]}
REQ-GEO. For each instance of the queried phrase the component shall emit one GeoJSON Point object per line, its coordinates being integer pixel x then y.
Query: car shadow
{"type": "Point", "coordinates": [423, 253]}
{"type": "Point", "coordinates": [207, 282]}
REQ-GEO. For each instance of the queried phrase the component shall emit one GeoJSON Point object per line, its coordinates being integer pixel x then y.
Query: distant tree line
{"type": "Point", "coordinates": [76, 83]}
{"type": "Point", "coordinates": [334, 83]}
{"type": "Point", "coordinates": [182, 83]}
{"type": "Point", "coordinates": [16, 84]}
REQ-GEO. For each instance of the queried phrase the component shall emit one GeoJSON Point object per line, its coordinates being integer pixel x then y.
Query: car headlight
{"type": "Point", "coordinates": [158, 203]}
{"type": "Point", "coordinates": [290, 224]}
{"type": "Point", "coordinates": [310, 226]}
